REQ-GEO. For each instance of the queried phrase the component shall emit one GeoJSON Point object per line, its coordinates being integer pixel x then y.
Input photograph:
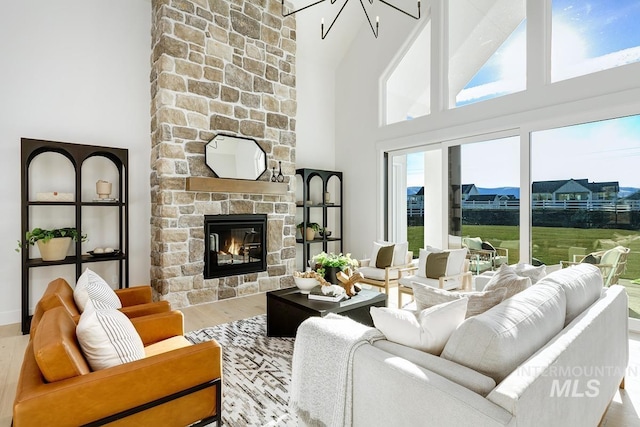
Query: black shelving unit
{"type": "Point", "coordinates": [77, 154]}
{"type": "Point", "coordinates": [308, 210]}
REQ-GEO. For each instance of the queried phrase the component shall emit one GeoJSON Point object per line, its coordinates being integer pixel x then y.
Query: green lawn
{"type": "Point", "coordinates": [554, 244]}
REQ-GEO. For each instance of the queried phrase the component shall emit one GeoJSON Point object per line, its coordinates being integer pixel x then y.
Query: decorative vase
{"type": "Point", "coordinates": [103, 188]}
{"type": "Point", "coordinates": [330, 274]}
{"type": "Point", "coordinates": [55, 249]}
{"type": "Point", "coordinates": [311, 233]}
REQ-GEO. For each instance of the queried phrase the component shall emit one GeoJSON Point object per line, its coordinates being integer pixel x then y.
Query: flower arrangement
{"type": "Point", "coordinates": [340, 261]}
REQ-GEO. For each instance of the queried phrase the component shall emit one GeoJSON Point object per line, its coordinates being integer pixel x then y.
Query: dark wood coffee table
{"type": "Point", "coordinates": [288, 308]}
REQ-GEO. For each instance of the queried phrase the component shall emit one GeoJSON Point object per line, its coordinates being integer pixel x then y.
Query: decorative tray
{"type": "Point", "coordinates": [104, 254]}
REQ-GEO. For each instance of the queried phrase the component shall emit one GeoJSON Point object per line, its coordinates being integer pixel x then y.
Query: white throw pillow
{"type": "Point", "coordinates": [422, 260]}
{"type": "Point", "coordinates": [479, 302]}
{"type": "Point", "coordinates": [91, 286]}
{"type": "Point", "coordinates": [399, 252]}
{"type": "Point", "coordinates": [506, 277]}
{"type": "Point", "coordinates": [455, 262]}
{"type": "Point", "coordinates": [428, 331]}
{"type": "Point", "coordinates": [108, 338]}
{"type": "Point", "coordinates": [532, 272]}
{"type": "Point", "coordinates": [374, 253]}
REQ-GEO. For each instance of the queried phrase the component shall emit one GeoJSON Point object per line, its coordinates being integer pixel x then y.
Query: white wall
{"type": "Point", "coordinates": [357, 117]}
{"type": "Point", "coordinates": [74, 71]}
{"type": "Point", "coordinates": [315, 82]}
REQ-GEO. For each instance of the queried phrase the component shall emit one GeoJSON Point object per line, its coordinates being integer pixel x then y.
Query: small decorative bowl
{"type": "Point", "coordinates": [305, 284]}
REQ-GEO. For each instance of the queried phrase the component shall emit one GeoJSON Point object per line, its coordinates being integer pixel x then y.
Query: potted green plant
{"type": "Point", "coordinates": [330, 264]}
{"type": "Point", "coordinates": [53, 244]}
{"type": "Point", "coordinates": [310, 228]}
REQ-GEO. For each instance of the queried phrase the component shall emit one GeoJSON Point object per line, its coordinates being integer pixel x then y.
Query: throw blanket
{"type": "Point", "coordinates": [321, 377]}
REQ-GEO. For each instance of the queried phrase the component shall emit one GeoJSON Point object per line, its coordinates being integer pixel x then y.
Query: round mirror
{"type": "Point", "coordinates": [235, 157]}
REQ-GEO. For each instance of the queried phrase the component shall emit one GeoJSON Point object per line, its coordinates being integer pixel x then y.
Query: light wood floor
{"type": "Point", "coordinates": [623, 412]}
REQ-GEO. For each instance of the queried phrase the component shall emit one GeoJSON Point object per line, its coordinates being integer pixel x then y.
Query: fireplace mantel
{"type": "Point", "coordinates": [219, 185]}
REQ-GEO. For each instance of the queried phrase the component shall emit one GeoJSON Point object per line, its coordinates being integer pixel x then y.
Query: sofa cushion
{"type": "Point", "coordinates": [479, 302]}
{"type": "Point", "coordinates": [506, 277]}
{"type": "Point", "coordinates": [108, 338]}
{"type": "Point", "coordinates": [582, 285]}
{"type": "Point", "coordinates": [91, 286]}
{"type": "Point", "coordinates": [459, 374]}
{"type": "Point", "coordinates": [166, 345]}
{"type": "Point", "coordinates": [378, 273]}
{"type": "Point", "coordinates": [498, 340]}
{"type": "Point", "coordinates": [428, 331]}
{"type": "Point", "coordinates": [55, 348]}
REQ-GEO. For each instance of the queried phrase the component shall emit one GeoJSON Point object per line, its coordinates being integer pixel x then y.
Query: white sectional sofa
{"type": "Point", "coordinates": [551, 355]}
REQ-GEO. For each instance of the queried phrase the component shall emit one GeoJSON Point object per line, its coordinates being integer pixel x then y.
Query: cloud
{"type": "Point", "coordinates": [592, 65]}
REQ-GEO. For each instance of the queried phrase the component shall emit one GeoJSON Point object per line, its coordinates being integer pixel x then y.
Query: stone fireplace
{"type": "Point", "coordinates": [219, 67]}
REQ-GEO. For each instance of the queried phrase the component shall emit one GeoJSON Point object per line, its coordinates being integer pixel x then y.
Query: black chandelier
{"type": "Point", "coordinates": [374, 30]}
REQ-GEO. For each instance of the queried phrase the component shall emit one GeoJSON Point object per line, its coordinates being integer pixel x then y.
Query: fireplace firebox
{"type": "Point", "coordinates": [234, 244]}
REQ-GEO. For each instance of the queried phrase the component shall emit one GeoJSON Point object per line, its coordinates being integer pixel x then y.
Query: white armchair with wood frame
{"type": "Point", "coordinates": [386, 264]}
{"type": "Point", "coordinates": [448, 269]}
{"type": "Point", "coordinates": [483, 256]}
{"type": "Point", "coordinates": [611, 262]}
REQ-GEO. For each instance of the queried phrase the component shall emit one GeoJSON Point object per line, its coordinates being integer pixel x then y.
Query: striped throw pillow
{"type": "Point", "coordinates": [108, 338]}
{"type": "Point", "coordinates": [92, 287]}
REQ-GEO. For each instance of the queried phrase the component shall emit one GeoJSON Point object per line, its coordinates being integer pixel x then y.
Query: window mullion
{"type": "Point", "coordinates": [538, 43]}
{"type": "Point", "coordinates": [439, 57]}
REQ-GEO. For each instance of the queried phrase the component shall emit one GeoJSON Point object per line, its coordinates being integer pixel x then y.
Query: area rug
{"type": "Point", "coordinates": [256, 373]}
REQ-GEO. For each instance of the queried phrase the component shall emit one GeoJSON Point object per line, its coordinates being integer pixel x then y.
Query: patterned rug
{"type": "Point", "coordinates": [256, 372]}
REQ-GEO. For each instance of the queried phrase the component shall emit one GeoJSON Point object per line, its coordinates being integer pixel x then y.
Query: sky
{"type": "Point", "coordinates": [587, 36]}
{"type": "Point", "coordinates": [602, 151]}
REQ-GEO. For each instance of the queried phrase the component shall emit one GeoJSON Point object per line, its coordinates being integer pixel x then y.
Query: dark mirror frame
{"type": "Point", "coordinates": [260, 169]}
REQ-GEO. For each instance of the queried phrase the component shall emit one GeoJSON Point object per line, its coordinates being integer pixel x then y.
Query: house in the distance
{"type": "Point", "coordinates": [574, 189]}
{"type": "Point", "coordinates": [469, 190]}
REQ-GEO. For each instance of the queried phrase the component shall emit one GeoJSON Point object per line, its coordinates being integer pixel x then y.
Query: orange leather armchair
{"type": "Point", "coordinates": [136, 302]}
{"type": "Point", "coordinates": [176, 384]}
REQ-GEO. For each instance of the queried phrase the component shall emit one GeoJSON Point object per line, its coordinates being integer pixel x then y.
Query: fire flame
{"type": "Point", "coordinates": [234, 247]}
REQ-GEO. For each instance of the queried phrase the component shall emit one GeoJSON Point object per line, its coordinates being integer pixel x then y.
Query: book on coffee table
{"type": "Point", "coordinates": [316, 294]}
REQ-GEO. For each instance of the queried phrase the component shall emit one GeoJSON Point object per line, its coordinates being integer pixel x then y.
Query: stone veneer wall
{"type": "Point", "coordinates": [218, 67]}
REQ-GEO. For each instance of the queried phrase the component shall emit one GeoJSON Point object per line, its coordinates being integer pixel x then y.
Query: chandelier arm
{"type": "Point", "coordinates": [323, 34]}
{"type": "Point", "coordinates": [301, 9]}
{"type": "Point", "coordinates": [400, 10]}
{"type": "Point", "coordinates": [377, 30]}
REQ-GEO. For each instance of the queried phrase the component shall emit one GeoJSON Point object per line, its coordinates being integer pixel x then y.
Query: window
{"type": "Point", "coordinates": [487, 50]}
{"type": "Point", "coordinates": [408, 87]}
{"type": "Point", "coordinates": [593, 36]}
{"type": "Point", "coordinates": [586, 195]}
{"type": "Point", "coordinates": [485, 199]}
